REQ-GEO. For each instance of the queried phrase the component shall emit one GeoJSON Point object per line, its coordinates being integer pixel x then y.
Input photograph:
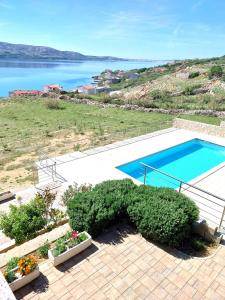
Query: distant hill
{"type": "Point", "coordinates": [20, 51]}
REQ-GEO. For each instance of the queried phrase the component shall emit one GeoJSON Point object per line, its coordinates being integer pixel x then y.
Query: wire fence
{"type": "Point", "coordinates": [212, 207]}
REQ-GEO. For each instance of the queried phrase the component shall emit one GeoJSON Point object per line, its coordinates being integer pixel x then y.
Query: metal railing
{"type": "Point", "coordinates": [188, 188]}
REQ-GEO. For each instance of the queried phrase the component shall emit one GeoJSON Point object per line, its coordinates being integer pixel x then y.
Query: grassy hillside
{"type": "Point", "coordinates": [28, 128]}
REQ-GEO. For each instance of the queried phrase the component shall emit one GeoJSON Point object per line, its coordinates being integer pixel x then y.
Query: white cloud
{"type": "Point", "coordinates": [124, 24]}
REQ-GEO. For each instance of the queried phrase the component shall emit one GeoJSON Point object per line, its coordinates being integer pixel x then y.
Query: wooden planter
{"type": "Point", "coordinates": [20, 282]}
{"type": "Point", "coordinates": [56, 260]}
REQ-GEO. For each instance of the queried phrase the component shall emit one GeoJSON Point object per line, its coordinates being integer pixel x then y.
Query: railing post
{"type": "Point", "coordinates": [180, 187]}
{"type": "Point", "coordinates": [221, 220]}
{"type": "Point", "coordinates": [145, 176]}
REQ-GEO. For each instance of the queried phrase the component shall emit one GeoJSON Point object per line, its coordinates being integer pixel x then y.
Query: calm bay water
{"type": "Point", "coordinates": [15, 75]}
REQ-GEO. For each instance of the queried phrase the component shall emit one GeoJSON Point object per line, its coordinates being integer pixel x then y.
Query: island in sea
{"type": "Point", "coordinates": [21, 51]}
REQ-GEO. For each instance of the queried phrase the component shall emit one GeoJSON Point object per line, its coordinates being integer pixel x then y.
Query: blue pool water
{"type": "Point", "coordinates": [185, 161]}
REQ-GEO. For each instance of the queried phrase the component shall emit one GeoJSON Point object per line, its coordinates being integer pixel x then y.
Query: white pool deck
{"type": "Point", "coordinates": [99, 164]}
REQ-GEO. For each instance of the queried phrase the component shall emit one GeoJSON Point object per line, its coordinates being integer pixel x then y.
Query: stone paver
{"type": "Point", "coordinates": [123, 265]}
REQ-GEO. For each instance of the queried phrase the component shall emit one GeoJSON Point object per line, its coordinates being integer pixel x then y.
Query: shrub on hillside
{"type": "Point", "coordinates": [53, 104]}
{"type": "Point", "coordinates": [215, 72]}
{"type": "Point", "coordinates": [190, 90]}
{"type": "Point", "coordinates": [160, 95]}
{"type": "Point", "coordinates": [193, 75]}
{"type": "Point", "coordinates": [22, 223]}
{"type": "Point", "coordinates": [160, 214]}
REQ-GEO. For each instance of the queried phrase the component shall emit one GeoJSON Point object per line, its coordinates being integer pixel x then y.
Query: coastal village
{"type": "Point", "coordinates": [101, 84]}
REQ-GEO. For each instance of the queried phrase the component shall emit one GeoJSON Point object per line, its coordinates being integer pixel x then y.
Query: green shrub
{"type": "Point", "coordinates": [10, 276]}
{"type": "Point", "coordinates": [12, 263]}
{"type": "Point", "coordinates": [189, 90]}
{"type": "Point", "coordinates": [60, 247]}
{"type": "Point", "coordinates": [53, 104]}
{"type": "Point", "coordinates": [92, 211]}
{"type": "Point", "coordinates": [72, 190]}
{"type": "Point", "coordinates": [193, 75]}
{"type": "Point", "coordinates": [160, 95]}
{"type": "Point", "coordinates": [215, 72]}
{"type": "Point", "coordinates": [43, 250]}
{"type": "Point", "coordinates": [22, 223]}
{"type": "Point", "coordinates": [160, 214]}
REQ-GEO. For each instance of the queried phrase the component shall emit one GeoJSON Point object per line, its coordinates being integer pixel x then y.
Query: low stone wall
{"type": "Point", "coordinates": [200, 127]}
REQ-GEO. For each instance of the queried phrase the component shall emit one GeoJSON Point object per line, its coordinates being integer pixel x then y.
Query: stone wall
{"type": "Point", "coordinates": [200, 127]}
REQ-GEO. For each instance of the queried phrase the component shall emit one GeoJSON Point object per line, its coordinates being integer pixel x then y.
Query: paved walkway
{"type": "Point", "coordinates": [123, 265]}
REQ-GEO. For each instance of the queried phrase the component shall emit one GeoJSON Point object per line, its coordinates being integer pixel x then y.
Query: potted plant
{"type": "Point", "coordinates": [21, 271]}
{"type": "Point", "coordinates": [68, 246]}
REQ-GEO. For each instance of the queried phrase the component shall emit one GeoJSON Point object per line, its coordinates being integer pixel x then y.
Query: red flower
{"type": "Point", "coordinates": [75, 235]}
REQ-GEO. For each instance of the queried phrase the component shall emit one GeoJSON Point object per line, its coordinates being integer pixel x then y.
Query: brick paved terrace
{"type": "Point", "coordinates": [122, 265]}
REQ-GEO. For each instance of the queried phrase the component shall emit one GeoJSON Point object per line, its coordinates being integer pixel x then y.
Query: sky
{"type": "Point", "coordinates": [147, 29]}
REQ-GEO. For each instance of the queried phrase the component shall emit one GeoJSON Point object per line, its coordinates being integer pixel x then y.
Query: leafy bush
{"type": "Point", "coordinates": [215, 71]}
{"type": "Point", "coordinates": [160, 214]}
{"type": "Point", "coordinates": [43, 250]}
{"type": "Point", "coordinates": [72, 190]}
{"type": "Point", "coordinates": [9, 276]}
{"type": "Point", "coordinates": [92, 211]}
{"type": "Point", "coordinates": [12, 263]}
{"type": "Point", "coordinates": [160, 95]}
{"type": "Point", "coordinates": [60, 247]}
{"type": "Point", "coordinates": [189, 90]}
{"type": "Point", "coordinates": [193, 75]}
{"type": "Point", "coordinates": [22, 222]}
{"type": "Point", "coordinates": [53, 104]}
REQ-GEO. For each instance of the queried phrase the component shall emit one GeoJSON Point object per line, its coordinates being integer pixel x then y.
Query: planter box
{"type": "Point", "coordinates": [20, 282]}
{"type": "Point", "coordinates": [56, 260]}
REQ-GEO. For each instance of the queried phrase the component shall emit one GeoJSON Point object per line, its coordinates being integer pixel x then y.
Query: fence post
{"type": "Point", "coordinates": [145, 176]}
{"type": "Point", "coordinates": [221, 220]}
{"type": "Point", "coordinates": [180, 187]}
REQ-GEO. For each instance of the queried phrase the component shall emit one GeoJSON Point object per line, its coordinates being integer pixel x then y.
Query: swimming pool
{"type": "Point", "coordinates": [185, 161]}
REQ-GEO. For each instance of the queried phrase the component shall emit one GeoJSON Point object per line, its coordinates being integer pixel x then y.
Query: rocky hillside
{"type": "Point", "coordinates": [20, 51]}
{"type": "Point", "coordinates": [190, 84]}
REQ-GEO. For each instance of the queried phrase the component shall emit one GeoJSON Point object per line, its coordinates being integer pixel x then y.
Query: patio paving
{"type": "Point", "coordinates": [123, 265]}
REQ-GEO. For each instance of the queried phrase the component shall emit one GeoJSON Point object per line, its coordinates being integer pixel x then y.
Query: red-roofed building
{"type": "Point", "coordinates": [52, 88]}
{"type": "Point", "coordinates": [19, 93]}
{"type": "Point", "coordinates": [87, 89]}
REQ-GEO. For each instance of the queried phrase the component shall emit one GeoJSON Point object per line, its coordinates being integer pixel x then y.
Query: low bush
{"type": "Point", "coordinates": [22, 223]}
{"type": "Point", "coordinates": [193, 75]}
{"type": "Point", "coordinates": [43, 250]}
{"type": "Point", "coordinates": [160, 214]}
{"type": "Point", "coordinates": [92, 211]}
{"type": "Point", "coordinates": [53, 104]}
{"type": "Point", "coordinates": [12, 263]}
{"type": "Point", "coordinates": [190, 90]}
{"type": "Point", "coordinates": [215, 72]}
{"type": "Point", "coordinates": [160, 95]}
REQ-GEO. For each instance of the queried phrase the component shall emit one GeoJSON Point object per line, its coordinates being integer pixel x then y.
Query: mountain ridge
{"type": "Point", "coordinates": [23, 51]}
